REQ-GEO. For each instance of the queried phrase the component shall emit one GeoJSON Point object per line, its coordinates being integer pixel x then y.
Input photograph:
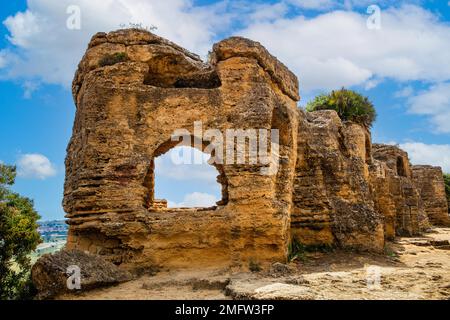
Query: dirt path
{"type": "Point", "coordinates": [413, 268]}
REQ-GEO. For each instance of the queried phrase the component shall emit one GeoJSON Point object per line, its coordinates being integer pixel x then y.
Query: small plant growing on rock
{"type": "Point", "coordinates": [112, 59]}
{"type": "Point", "coordinates": [139, 26]}
{"type": "Point", "coordinates": [254, 266]}
{"type": "Point", "coordinates": [296, 250]}
{"type": "Point", "coordinates": [350, 106]}
{"type": "Point", "coordinates": [388, 251]}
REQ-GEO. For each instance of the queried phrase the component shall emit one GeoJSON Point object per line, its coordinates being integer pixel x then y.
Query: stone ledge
{"type": "Point", "coordinates": [242, 47]}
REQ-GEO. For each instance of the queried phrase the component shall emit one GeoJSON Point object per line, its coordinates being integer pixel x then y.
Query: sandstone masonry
{"type": "Point", "coordinates": [333, 187]}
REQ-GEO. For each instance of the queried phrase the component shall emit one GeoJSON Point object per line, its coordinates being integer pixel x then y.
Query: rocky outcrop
{"type": "Point", "coordinates": [133, 90]}
{"type": "Point", "coordinates": [396, 195]}
{"type": "Point", "coordinates": [429, 181]}
{"type": "Point", "coordinates": [381, 181]}
{"type": "Point", "coordinates": [51, 272]}
{"type": "Point", "coordinates": [332, 202]}
{"type": "Point", "coordinates": [126, 115]}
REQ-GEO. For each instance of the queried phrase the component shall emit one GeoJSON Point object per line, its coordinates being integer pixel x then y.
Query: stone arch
{"type": "Point", "coordinates": [149, 181]}
{"type": "Point", "coordinates": [126, 114]}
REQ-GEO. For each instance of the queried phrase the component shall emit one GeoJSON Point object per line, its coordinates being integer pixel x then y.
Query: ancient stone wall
{"type": "Point", "coordinates": [382, 182]}
{"type": "Point", "coordinates": [127, 111]}
{"type": "Point", "coordinates": [429, 181]}
{"type": "Point", "coordinates": [332, 202]}
{"type": "Point", "coordinates": [398, 190]}
{"type": "Point", "coordinates": [133, 90]}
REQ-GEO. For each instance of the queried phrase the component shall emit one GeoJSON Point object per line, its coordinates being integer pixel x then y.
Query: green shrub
{"type": "Point", "coordinates": [18, 238]}
{"type": "Point", "coordinates": [112, 59]}
{"type": "Point", "coordinates": [299, 251]}
{"type": "Point", "coordinates": [350, 106]}
{"type": "Point", "coordinates": [447, 188]}
{"type": "Point", "coordinates": [296, 250]}
{"type": "Point", "coordinates": [138, 26]}
{"type": "Point", "coordinates": [389, 251]}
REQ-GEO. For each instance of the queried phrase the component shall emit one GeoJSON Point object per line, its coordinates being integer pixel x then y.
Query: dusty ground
{"type": "Point", "coordinates": [413, 268]}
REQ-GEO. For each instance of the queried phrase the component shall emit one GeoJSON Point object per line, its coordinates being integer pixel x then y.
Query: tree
{"type": "Point", "coordinates": [447, 188]}
{"type": "Point", "coordinates": [18, 238]}
{"type": "Point", "coordinates": [350, 106]}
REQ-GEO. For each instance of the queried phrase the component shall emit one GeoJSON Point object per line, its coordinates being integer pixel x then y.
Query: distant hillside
{"type": "Point", "coordinates": [54, 237]}
{"type": "Point", "coordinates": [53, 230]}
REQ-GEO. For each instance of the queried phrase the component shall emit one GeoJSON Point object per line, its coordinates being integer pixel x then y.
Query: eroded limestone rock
{"type": "Point", "coordinates": [429, 181]}
{"type": "Point", "coordinates": [400, 193]}
{"type": "Point", "coordinates": [126, 114]}
{"type": "Point", "coordinates": [50, 273]}
{"type": "Point", "coordinates": [133, 89]}
{"type": "Point", "coordinates": [333, 204]}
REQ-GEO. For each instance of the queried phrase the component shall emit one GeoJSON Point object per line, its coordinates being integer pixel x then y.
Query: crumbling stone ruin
{"type": "Point", "coordinates": [429, 181]}
{"type": "Point", "coordinates": [397, 196]}
{"type": "Point", "coordinates": [333, 187]}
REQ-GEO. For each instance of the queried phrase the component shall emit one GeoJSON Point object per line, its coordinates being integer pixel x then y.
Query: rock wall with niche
{"type": "Point", "coordinates": [133, 89]}
{"type": "Point", "coordinates": [396, 194]}
{"type": "Point", "coordinates": [429, 181]}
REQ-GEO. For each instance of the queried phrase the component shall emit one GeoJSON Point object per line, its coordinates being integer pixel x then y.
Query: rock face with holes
{"type": "Point", "coordinates": [134, 90]}
{"type": "Point", "coordinates": [429, 181]}
{"type": "Point", "coordinates": [396, 195]}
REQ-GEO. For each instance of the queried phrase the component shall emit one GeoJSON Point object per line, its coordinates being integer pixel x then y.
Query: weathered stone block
{"type": "Point", "coordinates": [332, 186]}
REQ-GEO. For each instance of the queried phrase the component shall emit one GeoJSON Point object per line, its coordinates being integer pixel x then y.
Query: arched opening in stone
{"type": "Point", "coordinates": [182, 177]}
{"type": "Point", "coordinates": [173, 71]}
{"type": "Point", "coordinates": [401, 171]}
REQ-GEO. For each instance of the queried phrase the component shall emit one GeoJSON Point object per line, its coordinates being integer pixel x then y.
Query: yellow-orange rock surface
{"type": "Point", "coordinates": [133, 89]}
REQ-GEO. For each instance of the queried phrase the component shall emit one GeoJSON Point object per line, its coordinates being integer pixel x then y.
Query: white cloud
{"type": "Point", "coordinates": [328, 51]}
{"type": "Point", "coordinates": [428, 154]}
{"type": "Point", "coordinates": [314, 4]}
{"type": "Point", "coordinates": [3, 56]}
{"type": "Point", "coordinates": [24, 26]}
{"type": "Point", "coordinates": [204, 172]}
{"type": "Point", "coordinates": [29, 87]}
{"type": "Point", "coordinates": [48, 50]}
{"type": "Point", "coordinates": [35, 166]}
{"type": "Point", "coordinates": [195, 199]}
{"type": "Point", "coordinates": [435, 103]}
{"type": "Point", "coordinates": [346, 4]}
{"type": "Point", "coordinates": [405, 92]}
{"type": "Point", "coordinates": [266, 12]}
{"type": "Point", "coordinates": [168, 169]}
{"type": "Point", "coordinates": [372, 83]}
{"type": "Point", "coordinates": [337, 49]}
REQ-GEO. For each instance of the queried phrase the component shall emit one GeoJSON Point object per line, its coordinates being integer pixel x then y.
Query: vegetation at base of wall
{"type": "Point", "coordinates": [18, 238]}
{"type": "Point", "coordinates": [389, 251]}
{"type": "Point", "coordinates": [254, 266]}
{"type": "Point", "coordinates": [112, 59]}
{"type": "Point", "coordinates": [350, 106]}
{"type": "Point", "coordinates": [447, 188]}
{"type": "Point", "coordinates": [298, 250]}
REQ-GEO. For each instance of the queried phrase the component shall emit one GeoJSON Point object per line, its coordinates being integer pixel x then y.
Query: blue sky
{"type": "Point", "coordinates": [403, 67]}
